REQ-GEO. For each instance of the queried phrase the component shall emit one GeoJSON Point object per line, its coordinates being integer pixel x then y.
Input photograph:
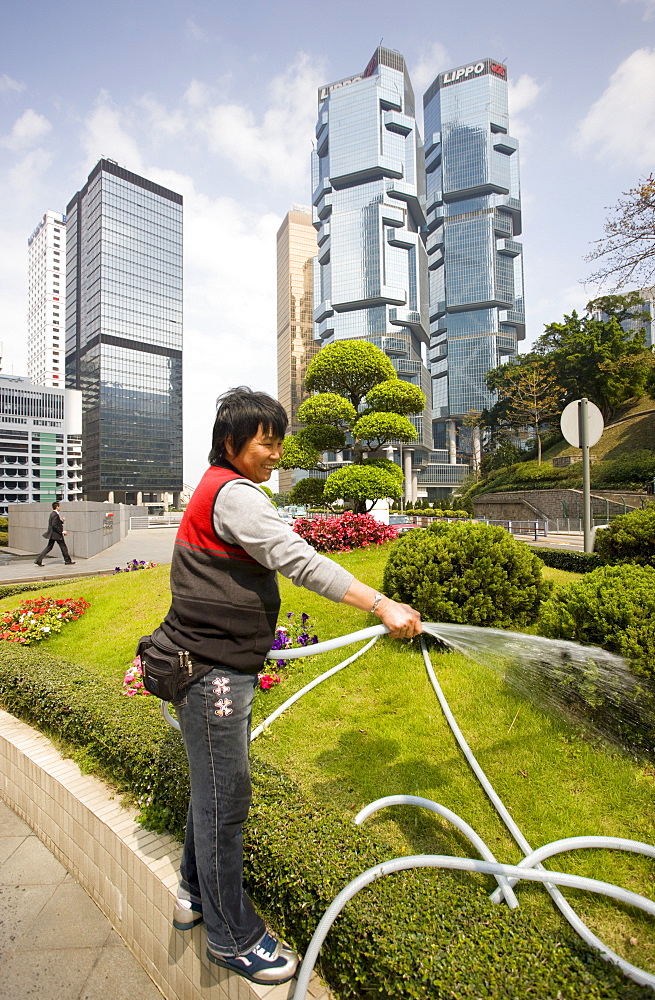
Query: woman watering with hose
{"type": "Point", "coordinates": [222, 619]}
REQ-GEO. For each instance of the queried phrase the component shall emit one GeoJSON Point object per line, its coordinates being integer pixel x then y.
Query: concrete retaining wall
{"type": "Point", "coordinates": [130, 873]}
{"type": "Point", "coordinates": [553, 505]}
{"type": "Point", "coordinates": [91, 526]}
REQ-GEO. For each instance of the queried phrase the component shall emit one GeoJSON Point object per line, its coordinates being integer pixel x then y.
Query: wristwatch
{"type": "Point", "coordinates": [378, 598]}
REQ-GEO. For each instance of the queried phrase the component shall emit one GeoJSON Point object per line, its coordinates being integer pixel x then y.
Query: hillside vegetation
{"type": "Point", "coordinates": [633, 429]}
{"type": "Point", "coordinates": [623, 459]}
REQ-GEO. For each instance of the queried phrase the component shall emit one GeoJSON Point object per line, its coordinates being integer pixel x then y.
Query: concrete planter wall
{"type": "Point", "coordinates": [91, 526]}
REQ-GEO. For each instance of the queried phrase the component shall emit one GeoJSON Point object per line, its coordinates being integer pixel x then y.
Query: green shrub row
{"type": "Point", "coordinates": [409, 936]}
{"type": "Point", "coordinates": [428, 512]}
{"type": "Point", "coordinates": [572, 562]}
{"type": "Point", "coordinates": [634, 470]}
{"type": "Point", "coordinates": [9, 589]}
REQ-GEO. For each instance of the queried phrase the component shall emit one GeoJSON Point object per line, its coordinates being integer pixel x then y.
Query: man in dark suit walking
{"type": "Point", "coordinates": [55, 533]}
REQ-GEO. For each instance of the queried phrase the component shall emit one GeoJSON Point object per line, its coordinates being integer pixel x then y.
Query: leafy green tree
{"type": "Point", "coordinates": [627, 250]}
{"type": "Point", "coordinates": [597, 358]}
{"type": "Point", "coordinates": [308, 492]}
{"type": "Point", "coordinates": [361, 485]}
{"type": "Point", "coordinates": [529, 393]}
{"type": "Point", "coordinates": [281, 499]}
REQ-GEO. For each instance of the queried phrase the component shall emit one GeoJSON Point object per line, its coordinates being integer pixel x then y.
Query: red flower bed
{"type": "Point", "coordinates": [343, 533]}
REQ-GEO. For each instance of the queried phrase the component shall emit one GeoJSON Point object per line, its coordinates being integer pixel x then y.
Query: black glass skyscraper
{"type": "Point", "coordinates": [124, 332]}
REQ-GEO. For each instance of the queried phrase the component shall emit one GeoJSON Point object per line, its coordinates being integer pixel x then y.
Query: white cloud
{"type": "Point", "coordinates": [433, 59]}
{"type": "Point", "coordinates": [27, 131]}
{"type": "Point", "coordinates": [648, 5]}
{"type": "Point", "coordinates": [105, 133]}
{"type": "Point", "coordinates": [621, 123]}
{"type": "Point", "coordinates": [8, 84]}
{"type": "Point", "coordinates": [275, 147]}
{"type": "Point", "coordinates": [25, 177]}
{"type": "Point", "coordinates": [194, 31]}
{"type": "Point", "coordinates": [229, 307]}
{"type": "Point", "coordinates": [197, 94]}
{"type": "Point", "coordinates": [521, 94]}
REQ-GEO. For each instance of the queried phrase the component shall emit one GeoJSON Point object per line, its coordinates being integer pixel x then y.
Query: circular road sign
{"type": "Point", "coordinates": [569, 423]}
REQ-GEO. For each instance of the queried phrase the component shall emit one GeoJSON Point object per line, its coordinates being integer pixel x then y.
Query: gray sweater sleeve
{"type": "Point", "coordinates": [244, 515]}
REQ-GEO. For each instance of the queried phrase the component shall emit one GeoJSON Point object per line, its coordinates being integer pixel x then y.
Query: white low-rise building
{"type": "Point", "coordinates": [40, 442]}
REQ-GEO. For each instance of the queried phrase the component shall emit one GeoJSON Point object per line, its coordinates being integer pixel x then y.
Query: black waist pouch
{"type": "Point", "coordinates": [167, 669]}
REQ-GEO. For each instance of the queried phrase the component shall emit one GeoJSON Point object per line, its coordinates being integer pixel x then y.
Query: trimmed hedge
{"type": "Point", "coordinates": [410, 936]}
{"type": "Point", "coordinates": [572, 562]}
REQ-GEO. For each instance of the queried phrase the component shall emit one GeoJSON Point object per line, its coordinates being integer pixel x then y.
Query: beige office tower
{"type": "Point", "coordinates": [296, 249]}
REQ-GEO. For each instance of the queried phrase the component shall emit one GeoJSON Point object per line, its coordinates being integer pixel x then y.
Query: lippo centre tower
{"type": "Point", "coordinates": [368, 179]}
{"type": "Point", "coordinates": [474, 216]}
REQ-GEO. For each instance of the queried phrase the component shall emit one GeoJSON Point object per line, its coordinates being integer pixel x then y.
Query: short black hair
{"type": "Point", "coordinates": [239, 414]}
{"type": "Point", "coordinates": [55, 504]}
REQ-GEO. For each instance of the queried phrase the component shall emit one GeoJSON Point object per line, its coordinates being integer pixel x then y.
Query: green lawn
{"type": "Point", "coordinates": [376, 729]}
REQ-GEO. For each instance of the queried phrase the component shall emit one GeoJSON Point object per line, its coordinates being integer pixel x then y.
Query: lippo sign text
{"type": "Point", "coordinates": [473, 70]}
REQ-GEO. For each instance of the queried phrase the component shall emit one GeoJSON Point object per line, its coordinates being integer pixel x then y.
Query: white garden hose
{"type": "Point", "coordinates": [530, 867]}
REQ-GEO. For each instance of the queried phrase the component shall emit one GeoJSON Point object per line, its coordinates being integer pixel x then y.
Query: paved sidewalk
{"type": "Point", "coordinates": [155, 544]}
{"type": "Point", "coordinates": [55, 944]}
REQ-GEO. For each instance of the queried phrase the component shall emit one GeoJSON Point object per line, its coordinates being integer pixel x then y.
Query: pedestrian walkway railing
{"type": "Point", "coordinates": [575, 523]}
{"type": "Point", "coordinates": [156, 521]}
{"type": "Point", "coordinates": [535, 529]}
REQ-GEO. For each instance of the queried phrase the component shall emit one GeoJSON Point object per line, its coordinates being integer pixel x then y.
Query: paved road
{"type": "Point", "coordinates": [55, 944]}
{"type": "Point", "coordinates": [573, 540]}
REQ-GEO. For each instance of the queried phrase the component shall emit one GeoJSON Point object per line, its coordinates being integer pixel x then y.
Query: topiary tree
{"type": "Point", "coordinates": [362, 485]}
{"type": "Point", "coordinates": [629, 538]}
{"type": "Point", "coordinates": [469, 573]}
{"type": "Point", "coordinates": [344, 375]}
{"type": "Point", "coordinates": [349, 368]}
{"type": "Point", "coordinates": [308, 491]}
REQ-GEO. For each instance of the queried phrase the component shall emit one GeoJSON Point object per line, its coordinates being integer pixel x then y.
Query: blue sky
{"type": "Point", "coordinates": [219, 103]}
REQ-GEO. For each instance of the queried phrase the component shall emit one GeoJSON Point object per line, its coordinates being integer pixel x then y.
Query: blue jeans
{"type": "Point", "coordinates": [215, 723]}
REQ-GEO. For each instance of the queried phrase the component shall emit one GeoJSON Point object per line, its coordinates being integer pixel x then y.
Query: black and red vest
{"type": "Point", "coordinates": [225, 604]}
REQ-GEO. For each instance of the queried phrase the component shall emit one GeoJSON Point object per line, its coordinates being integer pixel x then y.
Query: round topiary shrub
{"type": "Point", "coordinates": [629, 538]}
{"type": "Point", "coordinates": [467, 573]}
{"type": "Point", "coordinates": [612, 607]}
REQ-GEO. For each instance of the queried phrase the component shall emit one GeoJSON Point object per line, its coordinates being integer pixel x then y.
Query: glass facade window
{"type": "Point", "coordinates": [368, 171]}
{"type": "Point", "coordinates": [124, 329]}
{"type": "Point", "coordinates": [476, 271]}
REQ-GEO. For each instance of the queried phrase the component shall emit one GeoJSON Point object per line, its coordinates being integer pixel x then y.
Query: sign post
{"type": "Point", "coordinates": [582, 426]}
